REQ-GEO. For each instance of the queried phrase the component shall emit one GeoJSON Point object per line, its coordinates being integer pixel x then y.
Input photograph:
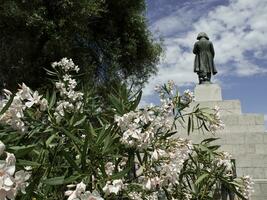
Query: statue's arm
{"type": "Point", "coordinates": [212, 50]}
{"type": "Point", "coordinates": [195, 49]}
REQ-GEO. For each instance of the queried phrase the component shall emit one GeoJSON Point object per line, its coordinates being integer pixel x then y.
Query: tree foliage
{"type": "Point", "coordinates": [109, 40]}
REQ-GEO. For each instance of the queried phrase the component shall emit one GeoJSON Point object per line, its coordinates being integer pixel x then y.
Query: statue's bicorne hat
{"type": "Point", "coordinates": [202, 34]}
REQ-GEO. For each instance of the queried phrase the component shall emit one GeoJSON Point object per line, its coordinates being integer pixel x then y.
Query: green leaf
{"type": "Point", "coordinates": [49, 72]}
{"type": "Point", "coordinates": [52, 100]}
{"type": "Point", "coordinates": [71, 179]}
{"type": "Point", "coordinates": [70, 161]}
{"type": "Point", "coordinates": [71, 136]}
{"type": "Point", "coordinates": [189, 126]}
{"type": "Point", "coordinates": [80, 121]}
{"type": "Point", "coordinates": [136, 101]}
{"type": "Point", "coordinates": [121, 174]}
{"type": "Point", "coordinates": [208, 140]}
{"type": "Point", "coordinates": [201, 178]}
{"type": "Point", "coordinates": [21, 162]}
{"type": "Point", "coordinates": [4, 109]}
{"type": "Point", "coordinates": [55, 181]}
{"type": "Point", "coordinates": [21, 151]}
{"type": "Point", "coordinates": [50, 139]}
{"type": "Point", "coordinates": [168, 134]}
{"type": "Point", "coordinates": [117, 104]}
{"type": "Point", "coordinates": [84, 151]}
{"type": "Point", "coordinates": [102, 135]}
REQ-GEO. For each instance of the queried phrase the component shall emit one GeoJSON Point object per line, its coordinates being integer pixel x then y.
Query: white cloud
{"type": "Point", "coordinates": [238, 32]}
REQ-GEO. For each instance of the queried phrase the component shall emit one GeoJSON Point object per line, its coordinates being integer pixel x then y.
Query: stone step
{"type": "Point", "coordinates": [244, 119]}
{"type": "Point", "coordinates": [251, 160]}
{"type": "Point", "coordinates": [228, 128]}
{"type": "Point", "coordinates": [227, 107]}
{"type": "Point", "coordinates": [254, 172]}
{"type": "Point", "coordinates": [228, 138]}
{"type": "Point", "coordinates": [243, 149]}
{"type": "Point", "coordinates": [235, 123]}
{"type": "Point", "coordinates": [260, 189]}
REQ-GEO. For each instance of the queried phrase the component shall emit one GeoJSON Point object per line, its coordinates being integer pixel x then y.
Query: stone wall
{"type": "Point", "coordinates": [244, 136]}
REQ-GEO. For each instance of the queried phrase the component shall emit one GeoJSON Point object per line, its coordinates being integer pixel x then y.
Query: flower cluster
{"type": "Point", "coordinates": [167, 91]}
{"type": "Point", "coordinates": [71, 100]}
{"type": "Point", "coordinates": [113, 186]}
{"type": "Point", "coordinates": [216, 123]}
{"type": "Point", "coordinates": [80, 193]}
{"type": "Point", "coordinates": [23, 99]}
{"type": "Point", "coordinates": [166, 163]}
{"type": "Point", "coordinates": [246, 188]}
{"type": "Point", "coordinates": [224, 160]}
{"type": "Point", "coordinates": [109, 168]}
{"type": "Point", "coordinates": [66, 64]}
{"type": "Point", "coordinates": [187, 97]}
{"type": "Point", "coordinates": [10, 181]}
{"type": "Point", "coordinates": [141, 127]}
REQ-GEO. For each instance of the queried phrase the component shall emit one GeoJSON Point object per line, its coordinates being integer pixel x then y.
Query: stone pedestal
{"type": "Point", "coordinates": [244, 136]}
{"type": "Point", "coordinates": [208, 92]}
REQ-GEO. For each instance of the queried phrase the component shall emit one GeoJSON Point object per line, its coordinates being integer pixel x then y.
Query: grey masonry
{"type": "Point", "coordinates": [244, 136]}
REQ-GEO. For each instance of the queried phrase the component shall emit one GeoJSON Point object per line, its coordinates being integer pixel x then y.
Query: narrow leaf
{"type": "Point", "coordinates": [201, 178]}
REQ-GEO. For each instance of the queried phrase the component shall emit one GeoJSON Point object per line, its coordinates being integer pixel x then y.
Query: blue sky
{"type": "Point", "coordinates": [238, 30]}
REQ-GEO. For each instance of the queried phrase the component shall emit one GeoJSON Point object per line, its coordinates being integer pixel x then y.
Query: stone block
{"type": "Point", "coordinates": [246, 119]}
{"type": "Point", "coordinates": [235, 139]}
{"type": "Point", "coordinates": [265, 137]}
{"type": "Point", "coordinates": [254, 138]}
{"type": "Point", "coordinates": [259, 119]}
{"type": "Point", "coordinates": [243, 128]}
{"type": "Point", "coordinates": [227, 107]}
{"type": "Point", "coordinates": [241, 149]}
{"type": "Point", "coordinates": [251, 160]}
{"type": "Point", "coordinates": [254, 172]}
{"type": "Point", "coordinates": [261, 148]}
{"type": "Point", "coordinates": [230, 119]}
{"type": "Point", "coordinates": [208, 92]}
{"type": "Point", "coordinates": [227, 148]}
{"type": "Point", "coordinates": [263, 188]}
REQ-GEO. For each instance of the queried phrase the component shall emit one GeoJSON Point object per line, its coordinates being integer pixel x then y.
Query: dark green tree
{"type": "Point", "coordinates": [108, 39]}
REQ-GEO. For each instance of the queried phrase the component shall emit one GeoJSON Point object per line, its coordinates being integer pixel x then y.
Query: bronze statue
{"type": "Point", "coordinates": [204, 64]}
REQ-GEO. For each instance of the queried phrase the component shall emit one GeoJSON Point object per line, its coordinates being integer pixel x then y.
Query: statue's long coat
{"type": "Point", "coordinates": [204, 56]}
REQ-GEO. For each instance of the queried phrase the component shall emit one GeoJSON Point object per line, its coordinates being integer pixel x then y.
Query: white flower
{"type": "Point", "coordinates": [21, 178]}
{"type": "Point", "coordinates": [216, 123]}
{"type": "Point", "coordinates": [2, 147]}
{"type": "Point", "coordinates": [246, 186]}
{"type": "Point", "coordinates": [66, 65]}
{"type": "Point", "coordinates": [158, 153]}
{"type": "Point", "coordinates": [135, 196]}
{"type": "Point", "coordinates": [43, 104]}
{"type": "Point", "coordinates": [109, 168]}
{"type": "Point", "coordinates": [75, 194]}
{"type": "Point", "coordinates": [91, 196]}
{"type": "Point", "coordinates": [153, 196]}
{"type": "Point", "coordinates": [224, 160]}
{"type": "Point", "coordinates": [23, 99]}
{"type": "Point", "coordinates": [34, 99]}
{"type": "Point", "coordinates": [113, 187]}
{"type": "Point", "coordinates": [187, 97]}
{"type": "Point", "coordinates": [10, 185]}
{"type": "Point", "coordinates": [25, 92]}
{"type": "Point", "coordinates": [80, 193]}
{"type": "Point", "coordinates": [152, 183]}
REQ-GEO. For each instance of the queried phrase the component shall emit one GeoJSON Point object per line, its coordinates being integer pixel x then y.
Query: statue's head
{"type": "Point", "coordinates": [201, 35]}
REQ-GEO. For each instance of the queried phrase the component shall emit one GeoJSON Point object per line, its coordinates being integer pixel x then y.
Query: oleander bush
{"type": "Point", "coordinates": [65, 143]}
